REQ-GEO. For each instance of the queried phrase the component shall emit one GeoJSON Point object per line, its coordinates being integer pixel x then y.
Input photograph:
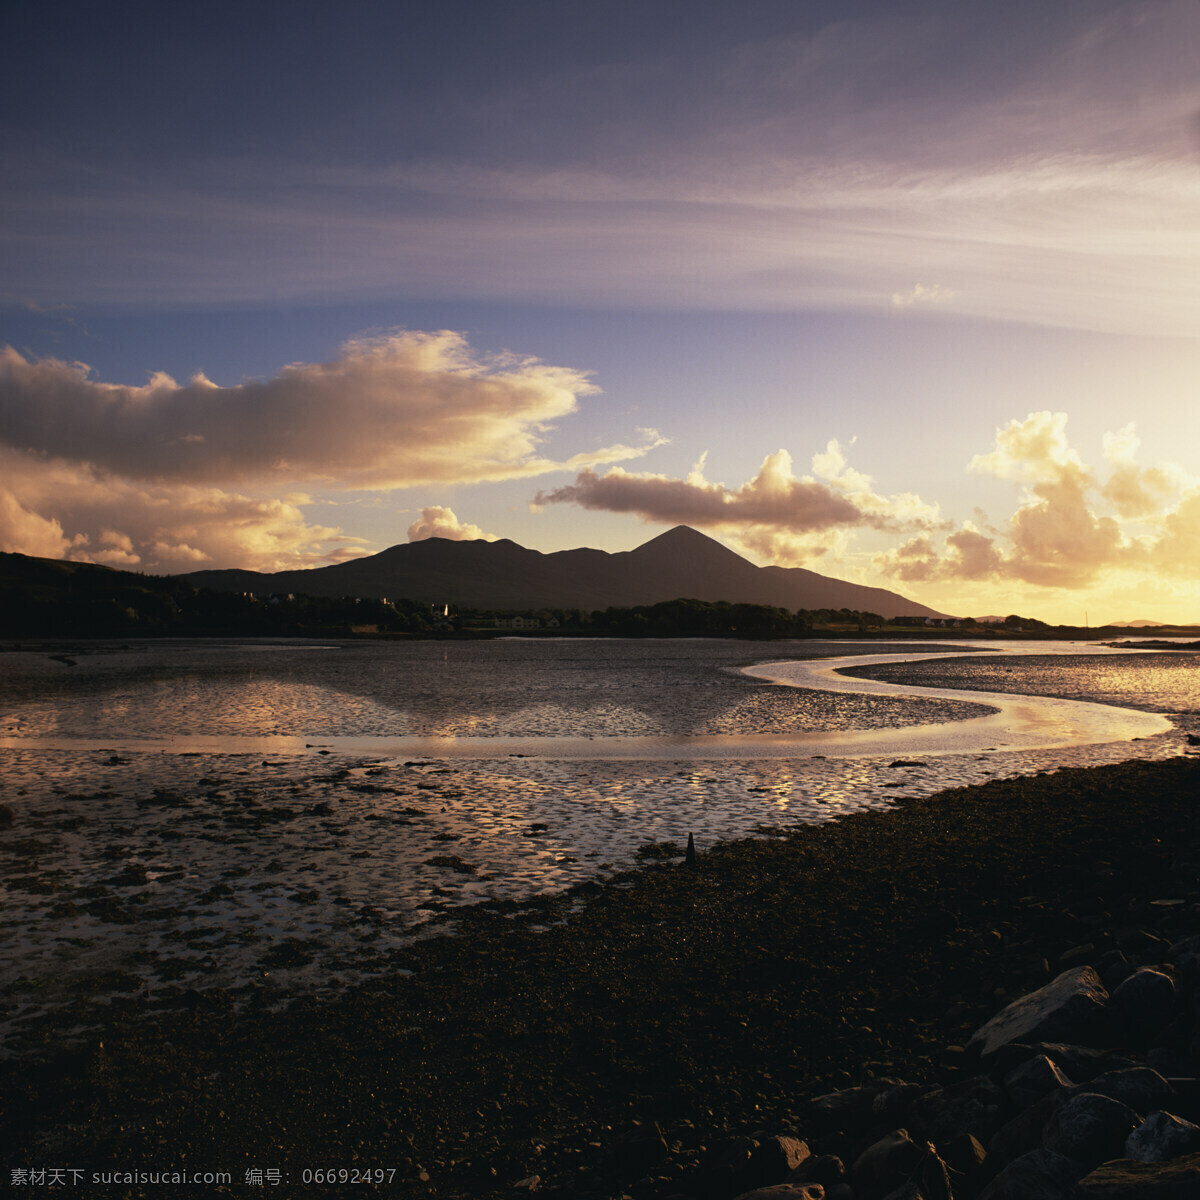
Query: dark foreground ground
{"type": "Point", "coordinates": [706, 1000]}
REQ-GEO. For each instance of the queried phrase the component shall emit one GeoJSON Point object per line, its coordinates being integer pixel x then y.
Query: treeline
{"type": "Point", "coordinates": [40, 598]}
{"type": "Point", "coordinates": [720, 618]}
{"type": "Point", "coordinates": [44, 598]}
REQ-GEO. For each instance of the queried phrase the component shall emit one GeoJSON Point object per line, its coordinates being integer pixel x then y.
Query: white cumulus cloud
{"type": "Point", "coordinates": [436, 521]}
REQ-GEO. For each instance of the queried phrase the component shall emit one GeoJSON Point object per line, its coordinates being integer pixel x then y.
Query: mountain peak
{"type": "Point", "coordinates": [683, 539]}
{"type": "Point", "coordinates": [681, 562]}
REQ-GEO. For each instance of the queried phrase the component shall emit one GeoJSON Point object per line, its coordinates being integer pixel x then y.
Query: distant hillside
{"type": "Point", "coordinates": [502, 575]}
{"type": "Point", "coordinates": [1139, 625]}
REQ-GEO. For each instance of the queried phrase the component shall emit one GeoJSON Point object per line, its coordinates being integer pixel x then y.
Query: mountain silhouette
{"type": "Point", "coordinates": [680, 563]}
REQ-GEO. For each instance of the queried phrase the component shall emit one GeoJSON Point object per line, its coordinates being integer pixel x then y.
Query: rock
{"type": "Point", "coordinates": [1124, 1179]}
{"type": "Point", "coordinates": [1162, 1136]}
{"type": "Point", "coordinates": [1069, 1008]}
{"type": "Point", "coordinates": [6, 817]}
{"type": "Point", "coordinates": [846, 1107]}
{"type": "Point", "coordinates": [1078, 955]}
{"type": "Point", "coordinates": [972, 1106]}
{"type": "Point", "coordinates": [1038, 1175]}
{"type": "Point", "coordinates": [1139, 1087]}
{"type": "Point", "coordinates": [826, 1169]}
{"type": "Point", "coordinates": [725, 1168]}
{"type": "Point", "coordinates": [1167, 1062]}
{"type": "Point", "coordinates": [881, 1168]}
{"type": "Point", "coordinates": [1090, 1128]}
{"type": "Point", "coordinates": [786, 1191]}
{"type": "Point", "coordinates": [1024, 1132]}
{"type": "Point", "coordinates": [1144, 1003]}
{"type": "Point", "coordinates": [1185, 954]}
{"type": "Point", "coordinates": [933, 1177]}
{"type": "Point", "coordinates": [774, 1159]}
{"type": "Point", "coordinates": [893, 1102]}
{"type": "Point", "coordinates": [1113, 968]}
{"type": "Point", "coordinates": [965, 1157]}
{"type": "Point", "coordinates": [1084, 1063]}
{"type": "Point", "coordinates": [908, 1191]}
{"type": "Point", "coordinates": [1142, 945]}
{"type": "Point", "coordinates": [1037, 1077]}
{"type": "Point", "coordinates": [639, 1152]}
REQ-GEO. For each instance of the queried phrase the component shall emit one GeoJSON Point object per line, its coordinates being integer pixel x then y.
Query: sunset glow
{"type": "Point", "coordinates": [905, 294]}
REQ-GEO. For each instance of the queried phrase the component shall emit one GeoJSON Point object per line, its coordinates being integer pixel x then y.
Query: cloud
{"type": "Point", "coordinates": [1039, 167]}
{"type": "Point", "coordinates": [777, 513]}
{"type": "Point", "coordinates": [1071, 526]}
{"type": "Point", "coordinates": [968, 555]}
{"type": "Point", "coordinates": [922, 295]}
{"type": "Point", "coordinates": [436, 521]}
{"type": "Point", "coordinates": [67, 510]}
{"type": "Point", "coordinates": [23, 531]}
{"type": "Point", "coordinates": [1136, 491]}
{"type": "Point", "coordinates": [392, 411]}
{"type": "Point", "coordinates": [166, 476]}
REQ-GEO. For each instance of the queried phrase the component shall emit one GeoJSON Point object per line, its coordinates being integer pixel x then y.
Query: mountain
{"type": "Point", "coordinates": [502, 575]}
{"type": "Point", "coordinates": [1139, 625]}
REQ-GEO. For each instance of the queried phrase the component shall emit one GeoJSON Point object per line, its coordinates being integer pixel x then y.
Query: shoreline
{"type": "Point", "coordinates": [543, 1036]}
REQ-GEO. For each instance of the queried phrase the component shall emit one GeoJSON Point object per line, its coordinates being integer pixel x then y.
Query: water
{"type": "Point", "coordinates": [507, 688]}
{"type": "Point", "coordinates": [278, 817]}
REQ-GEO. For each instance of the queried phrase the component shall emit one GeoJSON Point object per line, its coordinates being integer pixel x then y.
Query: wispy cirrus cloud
{"type": "Point", "coordinates": [950, 157]}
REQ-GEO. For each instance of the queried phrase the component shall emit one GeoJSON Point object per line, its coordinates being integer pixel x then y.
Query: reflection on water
{"type": "Point", "coordinates": [1152, 682]}
{"type": "Point", "coordinates": [269, 873]}
{"type": "Point", "coordinates": [502, 688]}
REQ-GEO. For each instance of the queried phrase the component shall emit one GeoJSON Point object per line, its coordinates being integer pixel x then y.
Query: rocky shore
{"type": "Point", "coordinates": [839, 1010]}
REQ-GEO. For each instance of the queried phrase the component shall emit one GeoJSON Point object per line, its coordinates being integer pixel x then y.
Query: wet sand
{"type": "Point", "coordinates": [274, 924]}
{"type": "Point", "coordinates": [547, 1036]}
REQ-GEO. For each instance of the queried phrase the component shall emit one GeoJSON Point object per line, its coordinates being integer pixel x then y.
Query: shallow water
{"type": "Point", "coordinates": [509, 687]}
{"type": "Point", "coordinates": [309, 864]}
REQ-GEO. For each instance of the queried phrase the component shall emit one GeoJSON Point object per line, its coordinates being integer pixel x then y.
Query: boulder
{"type": "Point", "coordinates": [1035, 1078]}
{"type": "Point", "coordinates": [775, 1158]}
{"type": "Point", "coordinates": [908, 1191]}
{"type": "Point", "coordinates": [1090, 1128]}
{"type": "Point", "coordinates": [884, 1166]}
{"type": "Point", "coordinates": [1185, 955]}
{"type": "Point", "coordinates": [1142, 945]}
{"type": "Point", "coordinates": [966, 1159]}
{"type": "Point", "coordinates": [1144, 1003]}
{"type": "Point", "coordinates": [1162, 1136]}
{"type": "Point", "coordinates": [846, 1108]}
{"type": "Point", "coordinates": [1124, 1179]}
{"type": "Point", "coordinates": [1038, 1175]}
{"type": "Point", "coordinates": [1024, 1132]}
{"type": "Point", "coordinates": [826, 1169]}
{"type": "Point", "coordinates": [1069, 1008]}
{"type": "Point", "coordinates": [972, 1106]}
{"type": "Point", "coordinates": [1140, 1087]}
{"type": "Point", "coordinates": [1084, 1063]}
{"type": "Point", "coordinates": [786, 1191]}
{"type": "Point", "coordinates": [725, 1169]}
{"type": "Point", "coordinates": [892, 1103]}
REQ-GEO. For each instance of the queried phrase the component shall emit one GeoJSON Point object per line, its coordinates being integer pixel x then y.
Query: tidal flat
{"type": "Point", "coordinates": [208, 948]}
{"type": "Point", "coordinates": [545, 1037]}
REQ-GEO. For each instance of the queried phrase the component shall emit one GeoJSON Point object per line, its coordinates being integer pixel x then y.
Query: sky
{"type": "Point", "coordinates": [905, 293]}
